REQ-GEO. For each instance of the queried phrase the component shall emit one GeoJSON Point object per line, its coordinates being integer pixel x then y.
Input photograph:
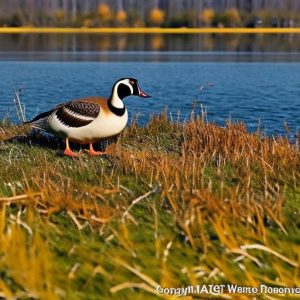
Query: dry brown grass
{"type": "Point", "coordinates": [226, 197]}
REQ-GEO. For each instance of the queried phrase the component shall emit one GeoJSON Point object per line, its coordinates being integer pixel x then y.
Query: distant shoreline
{"type": "Point", "coordinates": [147, 30]}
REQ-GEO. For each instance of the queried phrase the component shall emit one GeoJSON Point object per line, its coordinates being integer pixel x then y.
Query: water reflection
{"type": "Point", "coordinates": [157, 42]}
{"type": "Point", "coordinates": [38, 45]}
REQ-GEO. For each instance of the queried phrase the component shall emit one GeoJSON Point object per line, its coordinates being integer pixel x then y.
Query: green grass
{"type": "Point", "coordinates": [212, 191]}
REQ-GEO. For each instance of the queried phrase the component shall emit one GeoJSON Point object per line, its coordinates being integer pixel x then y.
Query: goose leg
{"type": "Point", "coordinates": [93, 152]}
{"type": "Point", "coordinates": [68, 151]}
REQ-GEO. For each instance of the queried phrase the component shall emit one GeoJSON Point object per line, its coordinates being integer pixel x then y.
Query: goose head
{"type": "Point", "coordinates": [127, 87]}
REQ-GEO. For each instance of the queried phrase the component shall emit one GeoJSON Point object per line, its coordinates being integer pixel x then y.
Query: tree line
{"type": "Point", "coordinates": [138, 13]}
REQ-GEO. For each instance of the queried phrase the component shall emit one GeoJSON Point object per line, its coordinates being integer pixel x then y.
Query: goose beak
{"type": "Point", "coordinates": [143, 94]}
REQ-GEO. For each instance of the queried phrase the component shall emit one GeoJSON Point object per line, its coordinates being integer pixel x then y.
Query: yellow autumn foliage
{"type": "Point", "coordinates": [206, 16]}
{"type": "Point", "coordinates": [233, 16]}
{"type": "Point", "coordinates": [87, 23]}
{"type": "Point", "coordinates": [104, 12]}
{"type": "Point", "coordinates": [60, 15]}
{"type": "Point", "coordinates": [156, 16]}
{"type": "Point", "coordinates": [121, 16]}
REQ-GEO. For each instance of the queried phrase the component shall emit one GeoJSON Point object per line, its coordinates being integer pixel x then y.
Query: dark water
{"type": "Point", "coordinates": [258, 85]}
{"type": "Point", "coordinates": [151, 47]}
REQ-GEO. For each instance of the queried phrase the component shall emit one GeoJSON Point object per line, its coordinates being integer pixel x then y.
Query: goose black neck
{"type": "Point", "coordinates": [117, 111]}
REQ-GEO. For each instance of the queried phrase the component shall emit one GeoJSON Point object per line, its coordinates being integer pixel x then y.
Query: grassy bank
{"type": "Point", "coordinates": [172, 205]}
{"type": "Point", "coordinates": [145, 30]}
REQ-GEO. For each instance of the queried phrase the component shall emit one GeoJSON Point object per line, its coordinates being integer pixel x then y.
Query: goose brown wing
{"type": "Point", "coordinates": [77, 113]}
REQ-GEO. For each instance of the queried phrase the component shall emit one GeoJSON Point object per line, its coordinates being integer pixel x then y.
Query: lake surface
{"type": "Point", "coordinates": [255, 79]}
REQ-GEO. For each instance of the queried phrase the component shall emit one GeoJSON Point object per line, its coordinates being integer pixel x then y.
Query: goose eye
{"type": "Point", "coordinates": [131, 82]}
